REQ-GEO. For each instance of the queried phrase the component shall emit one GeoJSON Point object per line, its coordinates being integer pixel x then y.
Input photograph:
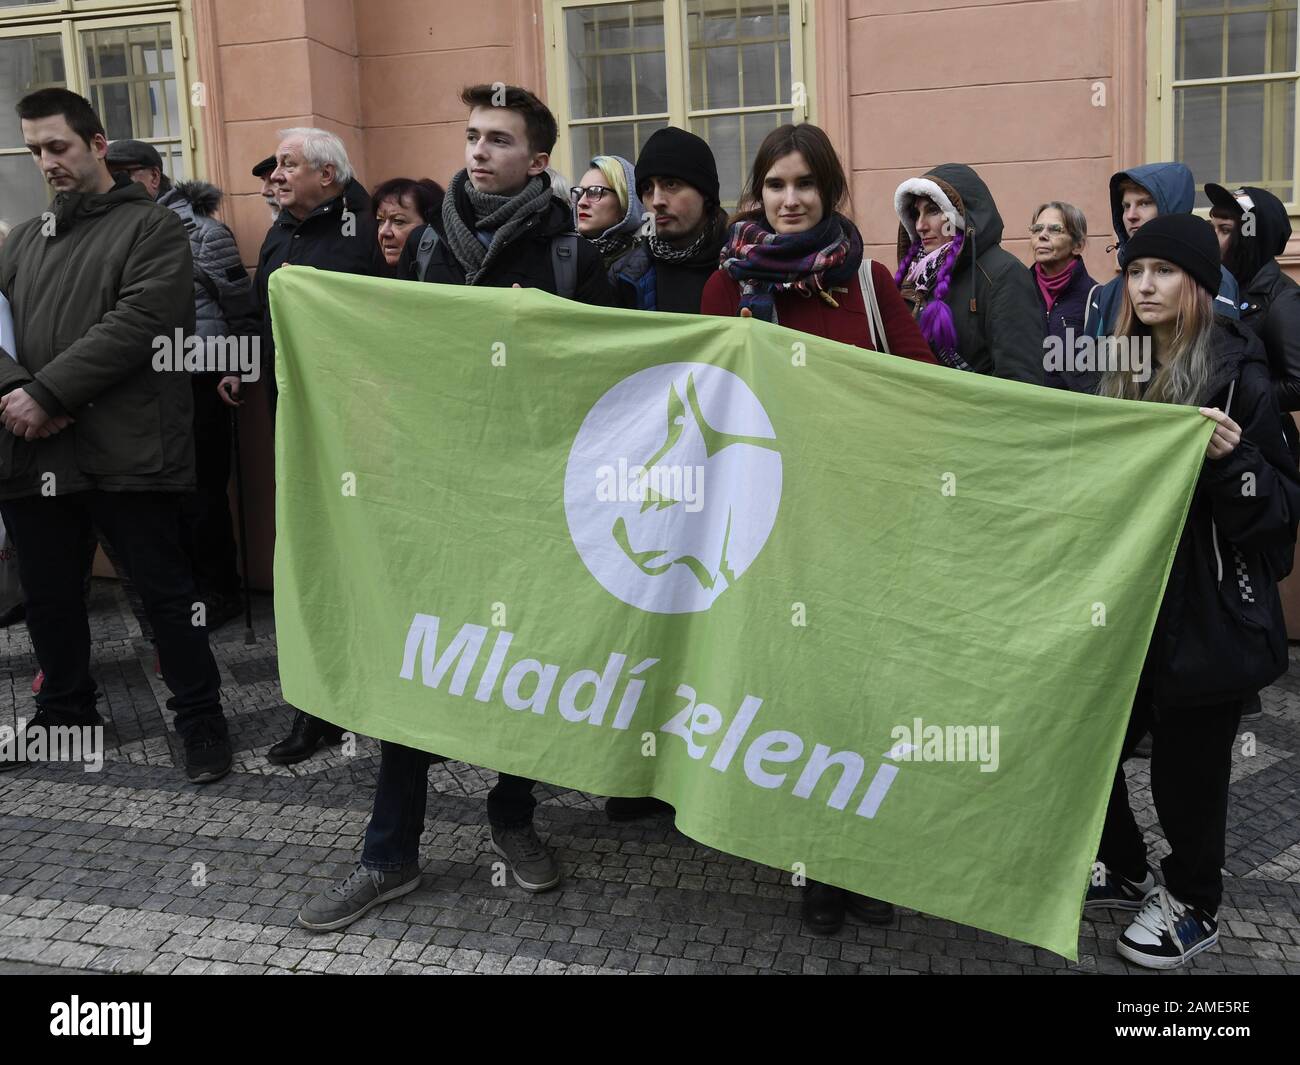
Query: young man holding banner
{"type": "Point", "coordinates": [501, 227]}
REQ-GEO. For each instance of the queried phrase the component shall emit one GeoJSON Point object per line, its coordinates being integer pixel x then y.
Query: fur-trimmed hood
{"type": "Point", "coordinates": [202, 196]}
{"type": "Point", "coordinates": [943, 195]}
{"type": "Point", "coordinates": [955, 187]}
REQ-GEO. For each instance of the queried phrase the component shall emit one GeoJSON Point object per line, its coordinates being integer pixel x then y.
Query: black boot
{"type": "Point", "coordinates": [867, 909]}
{"type": "Point", "coordinates": [307, 734]}
{"type": "Point", "coordinates": [619, 809]}
{"type": "Point", "coordinates": [823, 908]}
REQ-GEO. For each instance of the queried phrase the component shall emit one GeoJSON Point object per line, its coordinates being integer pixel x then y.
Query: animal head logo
{"type": "Point", "coordinates": [673, 486]}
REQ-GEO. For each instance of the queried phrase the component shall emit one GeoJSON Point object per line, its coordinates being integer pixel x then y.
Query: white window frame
{"type": "Point", "coordinates": [1162, 28]}
{"type": "Point", "coordinates": [677, 73]}
{"type": "Point", "coordinates": [72, 18]}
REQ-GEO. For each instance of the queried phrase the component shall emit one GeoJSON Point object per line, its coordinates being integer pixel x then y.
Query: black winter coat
{"type": "Point", "coordinates": [1065, 322]}
{"type": "Point", "coordinates": [527, 262]}
{"type": "Point", "coordinates": [1270, 301]}
{"type": "Point", "coordinates": [321, 240]}
{"type": "Point", "coordinates": [645, 283]}
{"type": "Point", "coordinates": [1272, 310]}
{"type": "Point", "coordinates": [1220, 636]}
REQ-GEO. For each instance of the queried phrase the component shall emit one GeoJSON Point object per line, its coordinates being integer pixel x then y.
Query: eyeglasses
{"type": "Point", "coordinates": [592, 192]}
{"type": "Point", "coordinates": [1054, 228]}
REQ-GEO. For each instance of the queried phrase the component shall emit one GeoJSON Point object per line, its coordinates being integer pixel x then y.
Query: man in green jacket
{"type": "Point", "coordinates": [97, 423]}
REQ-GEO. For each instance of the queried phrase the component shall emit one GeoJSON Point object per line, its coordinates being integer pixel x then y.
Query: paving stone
{"type": "Point", "coordinates": [100, 873]}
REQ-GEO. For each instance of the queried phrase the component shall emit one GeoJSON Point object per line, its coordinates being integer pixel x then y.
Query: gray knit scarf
{"type": "Point", "coordinates": [507, 215]}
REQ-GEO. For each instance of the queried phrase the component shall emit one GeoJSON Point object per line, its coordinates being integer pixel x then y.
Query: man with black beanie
{"type": "Point", "coordinates": [666, 270]}
{"type": "Point", "coordinates": [677, 180]}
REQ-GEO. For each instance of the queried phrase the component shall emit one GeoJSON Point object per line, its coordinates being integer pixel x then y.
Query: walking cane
{"type": "Point", "coordinates": [249, 638]}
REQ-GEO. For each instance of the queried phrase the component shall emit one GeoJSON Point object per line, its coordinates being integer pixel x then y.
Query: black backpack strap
{"type": "Point", "coordinates": [207, 284]}
{"type": "Point", "coordinates": [424, 253]}
{"type": "Point", "coordinates": [564, 263]}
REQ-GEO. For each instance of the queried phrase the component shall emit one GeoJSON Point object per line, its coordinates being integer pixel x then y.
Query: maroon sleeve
{"type": "Point", "coordinates": [721, 295]}
{"type": "Point", "coordinates": [902, 332]}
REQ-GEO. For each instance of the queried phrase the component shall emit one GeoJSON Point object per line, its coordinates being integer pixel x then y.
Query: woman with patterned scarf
{"type": "Point", "coordinates": [936, 228]}
{"type": "Point", "coordinates": [794, 259]}
{"type": "Point", "coordinates": [603, 211]}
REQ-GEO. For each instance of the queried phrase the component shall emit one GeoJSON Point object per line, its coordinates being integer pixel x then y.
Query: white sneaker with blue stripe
{"type": "Point", "coordinates": [1167, 933]}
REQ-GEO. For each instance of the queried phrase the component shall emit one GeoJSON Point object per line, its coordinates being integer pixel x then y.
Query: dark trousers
{"type": "Point", "coordinates": [208, 523]}
{"type": "Point", "coordinates": [144, 529]}
{"type": "Point", "coordinates": [1191, 763]}
{"type": "Point", "coordinates": [133, 599]}
{"type": "Point", "coordinates": [393, 835]}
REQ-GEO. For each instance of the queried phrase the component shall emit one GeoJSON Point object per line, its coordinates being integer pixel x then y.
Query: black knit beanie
{"type": "Point", "coordinates": [1182, 239]}
{"type": "Point", "coordinates": [673, 152]}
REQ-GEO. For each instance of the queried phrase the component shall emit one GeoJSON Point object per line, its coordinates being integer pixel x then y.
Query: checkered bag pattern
{"type": "Point", "coordinates": [1243, 578]}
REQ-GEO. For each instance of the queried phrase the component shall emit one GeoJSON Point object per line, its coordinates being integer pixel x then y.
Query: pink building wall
{"type": "Point", "coordinates": [1010, 87]}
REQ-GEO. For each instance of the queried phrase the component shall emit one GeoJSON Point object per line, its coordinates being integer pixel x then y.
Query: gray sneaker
{"type": "Point", "coordinates": [533, 866]}
{"type": "Point", "coordinates": [360, 891]}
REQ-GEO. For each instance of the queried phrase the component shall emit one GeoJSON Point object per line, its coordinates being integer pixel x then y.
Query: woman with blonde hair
{"type": "Point", "coordinates": [1219, 636]}
{"type": "Point", "coordinates": [604, 211]}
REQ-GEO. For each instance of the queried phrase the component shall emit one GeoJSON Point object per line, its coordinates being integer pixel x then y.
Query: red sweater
{"type": "Point", "coordinates": [846, 323]}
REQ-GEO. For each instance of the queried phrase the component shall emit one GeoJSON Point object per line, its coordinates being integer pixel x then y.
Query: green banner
{"type": "Point", "coordinates": [871, 622]}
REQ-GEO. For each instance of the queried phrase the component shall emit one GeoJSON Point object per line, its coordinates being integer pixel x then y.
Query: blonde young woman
{"type": "Point", "coordinates": [604, 209]}
{"type": "Point", "coordinates": [1219, 636]}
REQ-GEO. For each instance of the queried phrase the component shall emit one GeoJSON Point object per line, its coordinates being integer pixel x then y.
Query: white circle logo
{"type": "Point", "coordinates": [673, 486]}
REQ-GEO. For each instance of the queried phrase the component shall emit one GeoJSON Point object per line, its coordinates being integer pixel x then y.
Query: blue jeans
{"type": "Point", "coordinates": [393, 835]}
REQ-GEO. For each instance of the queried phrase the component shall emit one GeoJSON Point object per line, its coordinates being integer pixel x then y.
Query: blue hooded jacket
{"type": "Point", "coordinates": [1174, 191]}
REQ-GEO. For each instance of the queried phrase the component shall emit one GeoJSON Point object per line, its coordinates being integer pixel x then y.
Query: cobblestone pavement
{"type": "Point", "coordinates": [100, 872]}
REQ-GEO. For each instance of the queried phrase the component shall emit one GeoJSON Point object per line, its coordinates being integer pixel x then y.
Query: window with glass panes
{"type": "Point", "coordinates": [1229, 89]}
{"type": "Point", "coordinates": [728, 70]}
{"type": "Point", "coordinates": [128, 65]}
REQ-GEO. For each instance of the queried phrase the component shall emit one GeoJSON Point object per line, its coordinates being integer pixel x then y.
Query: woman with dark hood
{"type": "Point", "coordinates": [1253, 229]}
{"type": "Point", "coordinates": [973, 299]}
{"type": "Point", "coordinates": [604, 209]}
{"type": "Point", "coordinates": [1269, 300]}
